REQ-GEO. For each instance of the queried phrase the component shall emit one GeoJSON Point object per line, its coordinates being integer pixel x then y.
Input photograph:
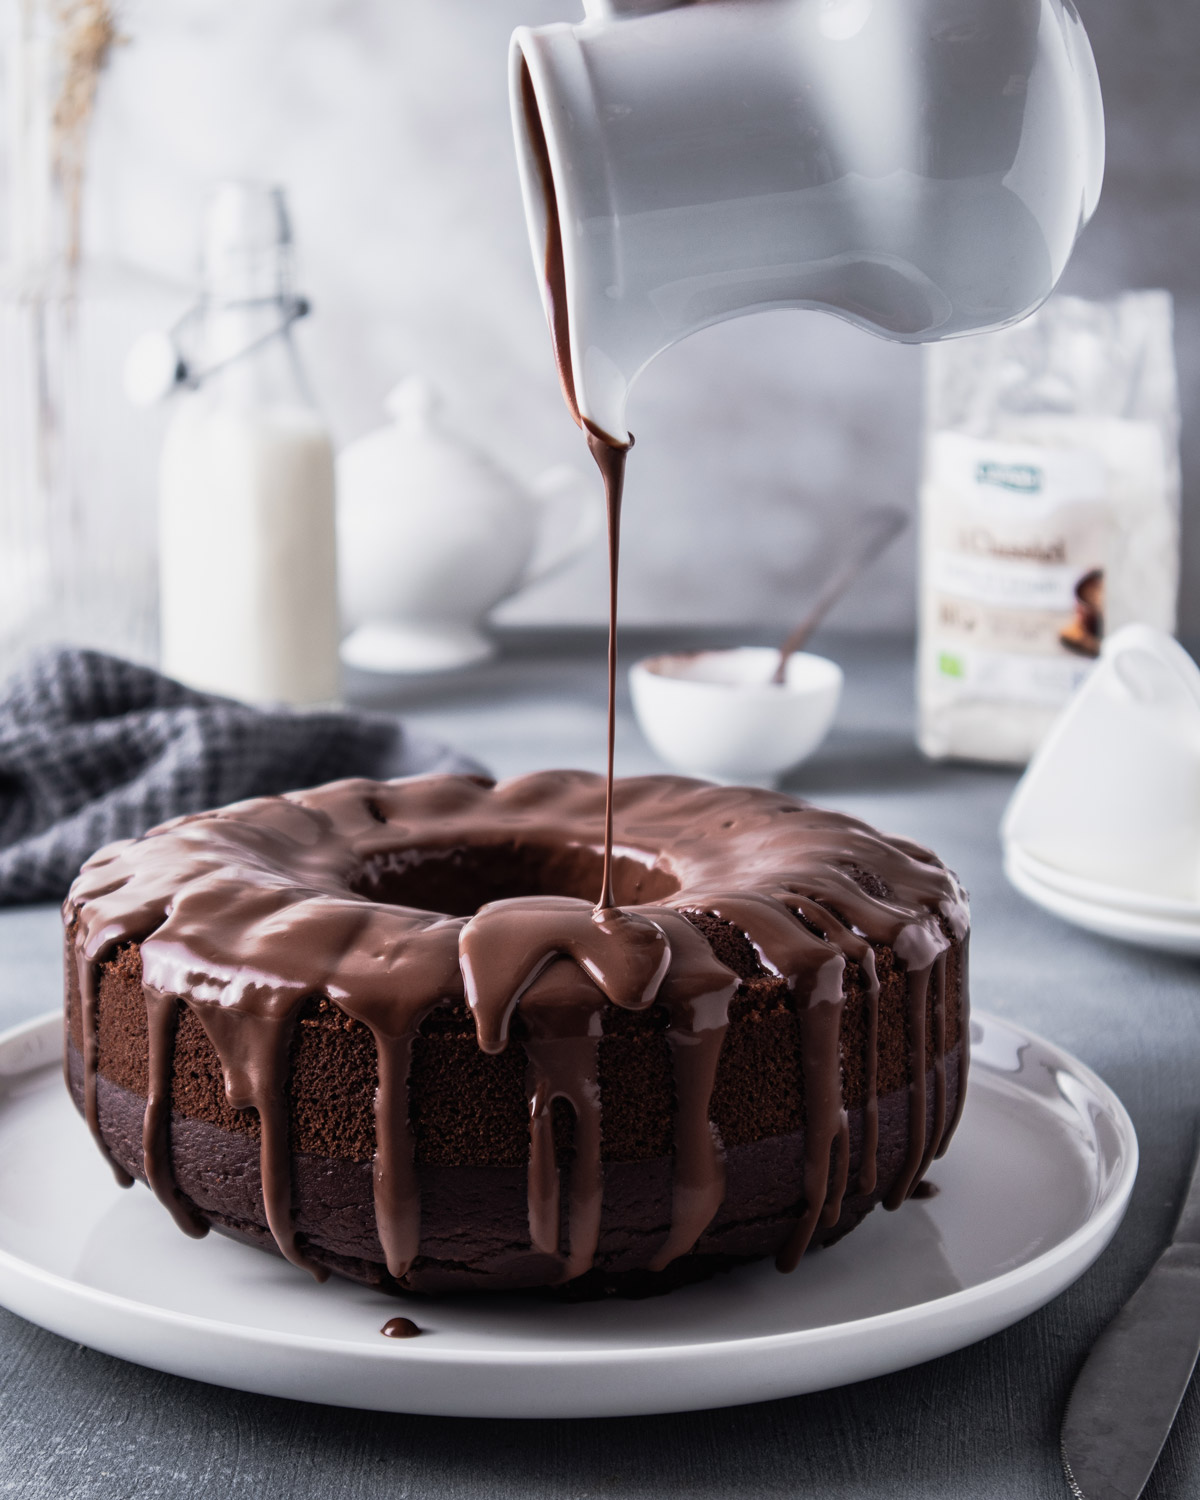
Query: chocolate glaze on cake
{"type": "Point", "coordinates": [240, 917]}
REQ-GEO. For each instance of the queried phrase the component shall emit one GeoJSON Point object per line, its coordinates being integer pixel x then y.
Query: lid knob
{"type": "Point", "coordinates": [414, 401]}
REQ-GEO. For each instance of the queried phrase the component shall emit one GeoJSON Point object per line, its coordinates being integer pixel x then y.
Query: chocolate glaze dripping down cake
{"type": "Point", "coordinates": [243, 915]}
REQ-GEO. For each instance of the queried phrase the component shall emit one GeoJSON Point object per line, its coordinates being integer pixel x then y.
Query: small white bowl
{"type": "Point", "coordinates": [718, 715]}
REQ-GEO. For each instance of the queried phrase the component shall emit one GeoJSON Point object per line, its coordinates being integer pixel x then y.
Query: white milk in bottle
{"type": "Point", "coordinates": [248, 573]}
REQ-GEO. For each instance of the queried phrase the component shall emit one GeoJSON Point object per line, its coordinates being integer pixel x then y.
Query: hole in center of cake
{"type": "Point", "coordinates": [459, 880]}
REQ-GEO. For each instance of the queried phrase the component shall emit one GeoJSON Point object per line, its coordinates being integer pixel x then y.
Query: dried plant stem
{"type": "Point", "coordinates": [87, 33]}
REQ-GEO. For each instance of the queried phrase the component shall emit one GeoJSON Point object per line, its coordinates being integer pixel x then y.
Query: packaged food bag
{"type": "Point", "coordinates": [1049, 514]}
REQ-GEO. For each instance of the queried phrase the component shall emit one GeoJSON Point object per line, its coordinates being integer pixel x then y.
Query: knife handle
{"type": "Point", "coordinates": [1188, 1228]}
{"type": "Point", "coordinates": [1126, 1395]}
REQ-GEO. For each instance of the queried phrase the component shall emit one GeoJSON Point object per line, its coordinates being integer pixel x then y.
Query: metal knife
{"type": "Point", "coordinates": [1126, 1396]}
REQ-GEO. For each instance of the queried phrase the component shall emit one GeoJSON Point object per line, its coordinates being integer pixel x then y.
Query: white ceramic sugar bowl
{"type": "Point", "coordinates": [432, 535]}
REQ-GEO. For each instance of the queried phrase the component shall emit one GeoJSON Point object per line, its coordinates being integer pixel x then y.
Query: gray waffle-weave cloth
{"type": "Point", "coordinates": [94, 748]}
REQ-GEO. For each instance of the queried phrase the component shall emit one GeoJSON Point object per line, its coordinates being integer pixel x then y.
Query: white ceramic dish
{"type": "Point", "coordinates": [717, 714]}
{"type": "Point", "coordinates": [1145, 929]}
{"type": "Point", "coordinates": [1099, 893]}
{"type": "Point", "coordinates": [1030, 1193]}
{"type": "Point", "coordinates": [1113, 793]}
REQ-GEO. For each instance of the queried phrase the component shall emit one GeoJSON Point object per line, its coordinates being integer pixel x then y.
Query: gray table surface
{"type": "Point", "coordinates": [980, 1423]}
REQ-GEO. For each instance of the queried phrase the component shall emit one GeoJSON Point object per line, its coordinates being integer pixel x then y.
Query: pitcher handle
{"type": "Point", "coordinates": [559, 486]}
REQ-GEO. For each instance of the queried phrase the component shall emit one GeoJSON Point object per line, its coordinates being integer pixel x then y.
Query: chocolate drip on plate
{"type": "Point", "coordinates": [400, 1328]}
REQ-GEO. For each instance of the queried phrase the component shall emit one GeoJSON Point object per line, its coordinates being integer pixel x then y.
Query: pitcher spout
{"type": "Point", "coordinates": [572, 222]}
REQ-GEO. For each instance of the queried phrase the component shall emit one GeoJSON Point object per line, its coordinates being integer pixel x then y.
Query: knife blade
{"type": "Point", "coordinates": [1126, 1396]}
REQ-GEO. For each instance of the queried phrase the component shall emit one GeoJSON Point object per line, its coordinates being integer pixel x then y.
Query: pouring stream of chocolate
{"type": "Point", "coordinates": [244, 913]}
{"type": "Point", "coordinates": [610, 459]}
{"type": "Point", "coordinates": [608, 454]}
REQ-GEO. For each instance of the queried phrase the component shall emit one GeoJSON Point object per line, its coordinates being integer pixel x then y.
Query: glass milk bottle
{"type": "Point", "coordinates": [248, 573]}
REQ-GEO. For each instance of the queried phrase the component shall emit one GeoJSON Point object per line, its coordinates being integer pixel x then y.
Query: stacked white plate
{"type": "Point", "coordinates": [1127, 915]}
{"type": "Point", "coordinates": [1104, 828]}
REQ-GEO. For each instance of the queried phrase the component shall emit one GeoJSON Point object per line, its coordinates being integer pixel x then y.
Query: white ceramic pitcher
{"type": "Point", "coordinates": [919, 167]}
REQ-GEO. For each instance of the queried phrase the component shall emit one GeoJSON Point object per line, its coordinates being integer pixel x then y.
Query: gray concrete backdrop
{"type": "Point", "coordinates": [756, 440]}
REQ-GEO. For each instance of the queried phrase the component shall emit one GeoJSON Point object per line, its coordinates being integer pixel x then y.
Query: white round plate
{"type": "Point", "coordinates": [1033, 1188]}
{"type": "Point", "coordinates": [1168, 934]}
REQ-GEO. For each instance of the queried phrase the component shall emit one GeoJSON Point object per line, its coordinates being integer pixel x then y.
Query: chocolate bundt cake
{"type": "Point", "coordinates": [382, 1028]}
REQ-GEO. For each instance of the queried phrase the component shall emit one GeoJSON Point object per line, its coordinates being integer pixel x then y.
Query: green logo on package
{"type": "Point", "coordinates": [1025, 479]}
{"type": "Point", "coordinates": [951, 666]}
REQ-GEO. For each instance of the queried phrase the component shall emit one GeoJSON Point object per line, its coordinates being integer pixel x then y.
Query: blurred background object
{"type": "Point", "coordinates": [1104, 827]}
{"type": "Point", "coordinates": [1049, 514]}
{"type": "Point", "coordinates": [247, 564]}
{"type": "Point", "coordinates": [389, 126]}
{"type": "Point", "coordinates": [77, 549]}
{"type": "Point", "coordinates": [432, 535]}
{"type": "Point", "coordinates": [94, 748]}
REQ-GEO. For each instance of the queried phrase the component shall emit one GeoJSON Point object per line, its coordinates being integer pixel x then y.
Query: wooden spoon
{"type": "Point", "coordinates": [877, 530]}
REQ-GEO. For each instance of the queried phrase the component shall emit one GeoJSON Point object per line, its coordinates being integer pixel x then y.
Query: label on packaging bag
{"type": "Point", "coordinates": [1014, 546]}
{"type": "Point", "coordinates": [1049, 514]}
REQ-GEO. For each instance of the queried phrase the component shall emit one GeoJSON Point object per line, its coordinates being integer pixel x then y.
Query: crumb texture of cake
{"type": "Point", "coordinates": [383, 1029]}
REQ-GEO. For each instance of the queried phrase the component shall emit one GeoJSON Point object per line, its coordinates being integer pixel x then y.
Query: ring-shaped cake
{"type": "Point", "coordinates": [383, 1029]}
